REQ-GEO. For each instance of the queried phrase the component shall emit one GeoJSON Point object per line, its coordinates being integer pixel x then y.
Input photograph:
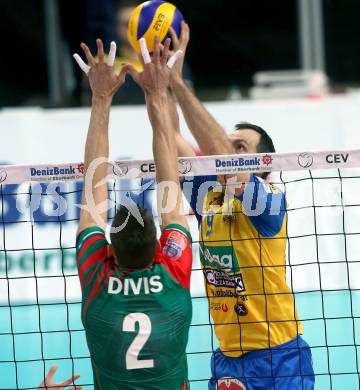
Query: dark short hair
{"type": "Point", "coordinates": [134, 245]}
{"type": "Point", "coordinates": [265, 144]}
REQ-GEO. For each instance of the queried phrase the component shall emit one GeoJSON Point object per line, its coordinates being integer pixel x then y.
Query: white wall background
{"type": "Point", "coordinates": [52, 136]}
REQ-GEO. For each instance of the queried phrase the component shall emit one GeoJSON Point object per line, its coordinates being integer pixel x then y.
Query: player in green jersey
{"type": "Point", "coordinates": [136, 305]}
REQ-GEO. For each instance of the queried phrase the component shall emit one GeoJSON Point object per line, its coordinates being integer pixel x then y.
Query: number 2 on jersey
{"type": "Point", "coordinates": [132, 354]}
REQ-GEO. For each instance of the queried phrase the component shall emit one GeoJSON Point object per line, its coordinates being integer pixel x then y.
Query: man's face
{"type": "Point", "coordinates": [245, 141]}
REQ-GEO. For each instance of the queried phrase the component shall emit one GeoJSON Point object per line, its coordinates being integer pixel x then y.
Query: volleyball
{"type": "Point", "coordinates": [151, 18]}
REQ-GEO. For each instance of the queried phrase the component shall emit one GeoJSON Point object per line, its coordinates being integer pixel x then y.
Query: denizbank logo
{"type": "Point", "coordinates": [222, 257]}
{"type": "Point", "coordinates": [53, 171]}
{"type": "Point", "coordinates": [237, 164]}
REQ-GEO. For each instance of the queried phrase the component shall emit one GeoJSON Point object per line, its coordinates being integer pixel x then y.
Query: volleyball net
{"type": "Point", "coordinates": [40, 295]}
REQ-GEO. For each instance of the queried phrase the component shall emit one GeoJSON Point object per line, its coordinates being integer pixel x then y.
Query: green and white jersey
{"type": "Point", "coordinates": [137, 320]}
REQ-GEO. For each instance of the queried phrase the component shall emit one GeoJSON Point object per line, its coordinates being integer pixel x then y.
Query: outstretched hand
{"type": "Point", "coordinates": [104, 82]}
{"type": "Point", "coordinates": [49, 383]}
{"type": "Point", "coordinates": [156, 74]}
{"type": "Point", "coordinates": [180, 43]}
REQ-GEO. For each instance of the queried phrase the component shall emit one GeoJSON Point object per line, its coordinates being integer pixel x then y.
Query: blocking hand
{"type": "Point", "coordinates": [104, 82]}
{"type": "Point", "coordinates": [180, 43]}
{"type": "Point", "coordinates": [156, 74]}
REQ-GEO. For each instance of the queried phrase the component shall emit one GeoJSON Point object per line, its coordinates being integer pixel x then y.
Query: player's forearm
{"type": "Point", "coordinates": [184, 149]}
{"type": "Point", "coordinates": [208, 133]}
{"type": "Point", "coordinates": [163, 141]}
{"type": "Point", "coordinates": [165, 157]}
{"type": "Point", "coordinates": [97, 146]}
{"type": "Point", "coordinates": [173, 112]}
{"type": "Point", "coordinates": [97, 141]}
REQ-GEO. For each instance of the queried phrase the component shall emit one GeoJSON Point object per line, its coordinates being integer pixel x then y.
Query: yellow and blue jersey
{"type": "Point", "coordinates": [243, 246]}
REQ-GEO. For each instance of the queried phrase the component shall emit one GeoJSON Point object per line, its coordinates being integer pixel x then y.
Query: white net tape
{"type": "Point", "coordinates": [191, 166]}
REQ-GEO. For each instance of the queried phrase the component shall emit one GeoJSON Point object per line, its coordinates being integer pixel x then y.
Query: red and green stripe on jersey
{"type": "Point", "coordinates": [94, 265]}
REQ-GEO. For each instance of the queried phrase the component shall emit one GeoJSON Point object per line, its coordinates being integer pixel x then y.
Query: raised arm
{"type": "Point", "coordinates": [184, 148]}
{"type": "Point", "coordinates": [209, 134]}
{"type": "Point", "coordinates": [154, 81]}
{"type": "Point", "coordinates": [104, 83]}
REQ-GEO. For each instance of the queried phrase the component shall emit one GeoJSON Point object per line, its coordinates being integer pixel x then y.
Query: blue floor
{"type": "Point", "coordinates": [333, 342]}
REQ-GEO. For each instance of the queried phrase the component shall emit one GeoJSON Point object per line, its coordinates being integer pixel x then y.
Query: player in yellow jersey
{"type": "Point", "coordinates": [243, 246]}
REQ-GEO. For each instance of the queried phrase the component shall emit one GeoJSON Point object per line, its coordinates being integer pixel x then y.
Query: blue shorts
{"type": "Point", "coordinates": [284, 367]}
